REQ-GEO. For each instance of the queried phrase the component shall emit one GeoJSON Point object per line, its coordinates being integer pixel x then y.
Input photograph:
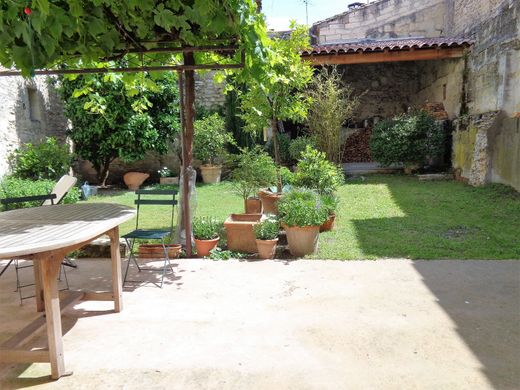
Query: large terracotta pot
{"type": "Point", "coordinates": [269, 201]}
{"type": "Point", "coordinates": [239, 232]}
{"type": "Point", "coordinates": [328, 225]}
{"type": "Point", "coordinates": [211, 173]}
{"type": "Point", "coordinates": [302, 240]}
{"type": "Point", "coordinates": [203, 247]}
{"type": "Point", "coordinates": [133, 180]}
{"type": "Point", "coordinates": [266, 248]}
{"type": "Point", "coordinates": [156, 251]}
{"type": "Point", "coordinates": [253, 206]}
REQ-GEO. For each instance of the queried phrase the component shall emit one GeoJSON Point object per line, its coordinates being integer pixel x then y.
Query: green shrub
{"type": "Point", "coordinates": [315, 172]}
{"type": "Point", "coordinates": [12, 187]}
{"type": "Point", "coordinates": [287, 176]}
{"type": "Point", "coordinates": [298, 146]}
{"type": "Point", "coordinates": [210, 139]}
{"type": "Point", "coordinates": [206, 228]}
{"type": "Point", "coordinates": [46, 160]}
{"type": "Point", "coordinates": [255, 169]}
{"type": "Point", "coordinates": [330, 203]}
{"type": "Point", "coordinates": [267, 229]}
{"type": "Point", "coordinates": [407, 139]}
{"type": "Point", "coordinates": [301, 207]}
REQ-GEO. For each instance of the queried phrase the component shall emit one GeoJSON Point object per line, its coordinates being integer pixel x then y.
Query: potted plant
{"type": "Point", "coordinates": [266, 234]}
{"type": "Point", "coordinates": [254, 169]}
{"type": "Point", "coordinates": [209, 146]}
{"type": "Point", "coordinates": [167, 177]}
{"type": "Point", "coordinates": [329, 203]}
{"type": "Point", "coordinates": [134, 180]}
{"type": "Point", "coordinates": [270, 196]}
{"type": "Point", "coordinates": [206, 234]}
{"type": "Point", "coordinates": [301, 214]}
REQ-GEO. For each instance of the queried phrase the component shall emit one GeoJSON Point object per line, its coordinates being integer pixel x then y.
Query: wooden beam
{"type": "Point", "coordinates": [385, 56]}
{"type": "Point", "coordinates": [22, 356]}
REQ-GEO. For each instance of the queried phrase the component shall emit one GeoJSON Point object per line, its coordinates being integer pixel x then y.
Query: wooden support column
{"type": "Point", "coordinates": [188, 98]}
{"type": "Point", "coordinates": [117, 287]}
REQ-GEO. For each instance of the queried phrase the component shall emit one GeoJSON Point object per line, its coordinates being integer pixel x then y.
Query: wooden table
{"type": "Point", "coordinates": [45, 235]}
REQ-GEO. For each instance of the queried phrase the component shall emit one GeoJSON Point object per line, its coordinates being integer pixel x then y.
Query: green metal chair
{"type": "Point", "coordinates": [150, 234]}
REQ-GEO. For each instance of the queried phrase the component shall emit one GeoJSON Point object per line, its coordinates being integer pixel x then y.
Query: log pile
{"type": "Point", "coordinates": [436, 110]}
{"type": "Point", "coordinates": [357, 147]}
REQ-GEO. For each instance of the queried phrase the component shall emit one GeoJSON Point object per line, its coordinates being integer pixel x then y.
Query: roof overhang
{"type": "Point", "coordinates": [372, 51]}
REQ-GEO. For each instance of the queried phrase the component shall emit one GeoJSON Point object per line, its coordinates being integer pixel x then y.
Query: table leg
{"type": "Point", "coordinates": [38, 288]}
{"type": "Point", "coordinates": [50, 268]}
{"type": "Point", "coordinates": [117, 287]}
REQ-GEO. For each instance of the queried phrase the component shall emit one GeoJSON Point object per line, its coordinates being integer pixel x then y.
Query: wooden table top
{"type": "Point", "coordinates": [40, 229]}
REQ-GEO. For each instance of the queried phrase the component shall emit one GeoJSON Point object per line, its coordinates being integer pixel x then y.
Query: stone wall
{"type": "Point", "coordinates": [385, 19]}
{"type": "Point", "coordinates": [30, 110]}
{"type": "Point", "coordinates": [208, 93]}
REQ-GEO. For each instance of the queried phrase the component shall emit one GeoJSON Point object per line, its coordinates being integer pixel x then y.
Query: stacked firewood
{"type": "Point", "coordinates": [436, 110]}
{"type": "Point", "coordinates": [357, 147]}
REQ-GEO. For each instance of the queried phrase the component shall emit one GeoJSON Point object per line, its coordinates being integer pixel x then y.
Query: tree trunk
{"type": "Point", "coordinates": [277, 160]}
{"type": "Point", "coordinates": [102, 172]}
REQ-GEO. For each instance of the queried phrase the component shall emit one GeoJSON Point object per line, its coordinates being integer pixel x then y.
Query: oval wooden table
{"type": "Point", "coordinates": [45, 235]}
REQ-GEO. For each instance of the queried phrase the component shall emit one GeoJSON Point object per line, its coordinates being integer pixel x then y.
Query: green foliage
{"type": "Point", "coordinates": [298, 146]}
{"type": "Point", "coordinates": [13, 187]}
{"type": "Point", "coordinates": [267, 229]}
{"type": "Point", "coordinates": [330, 203]}
{"type": "Point", "coordinates": [407, 139]}
{"type": "Point", "coordinates": [284, 143]}
{"type": "Point", "coordinates": [206, 228]}
{"type": "Point", "coordinates": [210, 139]}
{"type": "Point", "coordinates": [315, 172]}
{"type": "Point", "coordinates": [286, 176]}
{"type": "Point", "coordinates": [332, 104]}
{"type": "Point", "coordinates": [111, 127]}
{"type": "Point", "coordinates": [220, 254]}
{"type": "Point", "coordinates": [165, 172]}
{"type": "Point", "coordinates": [301, 207]}
{"type": "Point", "coordinates": [79, 33]}
{"type": "Point", "coordinates": [46, 160]}
{"type": "Point", "coordinates": [255, 169]}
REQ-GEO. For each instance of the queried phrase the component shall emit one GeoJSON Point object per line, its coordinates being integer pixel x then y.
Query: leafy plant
{"type": "Point", "coordinates": [301, 207]}
{"type": "Point", "coordinates": [298, 146]}
{"type": "Point", "coordinates": [267, 229]}
{"type": "Point", "coordinates": [315, 172]}
{"type": "Point", "coordinates": [332, 104]}
{"type": "Point", "coordinates": [284, 143]}
{"type": "Point", "coordinates": [165, 172]}
{"type": "Point", "coordinates": [255, 169]}
{"type": "Point", "coordinates": [330, 203]}
{"type": "Point", "coordinates": [407, 139]}
{"type": "Point", "coordinates": [206, 228]}
{"type": "Point", "coordinates": [220, 254]}
{"type": "Point", "coordinates": [286, 176]}
{"type": "Point", "coordinates": [46, 160]}
{"type": "Point", "coordinates": [114, 127]}
{"type": "Point", "coordinates": [13, 187]}
{"type": "Point", "coordinates": [210, 139]}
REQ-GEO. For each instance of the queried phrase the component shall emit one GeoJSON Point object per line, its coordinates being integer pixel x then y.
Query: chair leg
{"type": "Point", "coordinates": [166, 261]}
{"type": "Point", "coordinates": [130, 244]}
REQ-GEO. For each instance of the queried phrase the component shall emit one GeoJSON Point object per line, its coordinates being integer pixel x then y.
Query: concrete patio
{"type": "Point", "coordinates": [389, 324]}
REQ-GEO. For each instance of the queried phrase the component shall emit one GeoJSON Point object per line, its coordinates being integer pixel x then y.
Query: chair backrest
{"type": "Point", "coordinates": [158, 202]}
{"type": "Point", "coordinates": [61, 188]}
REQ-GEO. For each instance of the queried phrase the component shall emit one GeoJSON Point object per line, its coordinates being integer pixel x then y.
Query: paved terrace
{"type": "Point", "coordinates": [389, 324]}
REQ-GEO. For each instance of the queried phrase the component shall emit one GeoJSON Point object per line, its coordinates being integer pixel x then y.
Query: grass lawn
{"type": "Point", "coordinates": [392, 216]}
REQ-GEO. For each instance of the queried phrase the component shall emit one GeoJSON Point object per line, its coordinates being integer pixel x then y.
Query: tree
{"type": "Point", "coordinates": [277, 94]}
{"type": "Point", "coordinates": [108, 124]}
{"type": "Point", "coordinates": [332, 103]}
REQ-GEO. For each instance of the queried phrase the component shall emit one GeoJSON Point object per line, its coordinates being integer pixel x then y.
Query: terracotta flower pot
{"type": "Point", "coordinates": [302, 240]}
{"type": "Point", "coordinates": [156, 251]}
{"type": "Point", "coordinates": [169, 180]}
{"type": "Point", "coordinates": [269, 201]}
{"type": "Point", "coordinates": [239, 232]}
{"type": "Point", "coordinates": [328, 225]}
{"type": "Point", "coordinates": [211, 173]}
{"type": "Point", "coordinates": [266, 248]}
{"type": "Point", "coordinates": [205, 246]}
{"type": "Point", "coordinates": [133, 180]}
{"type": "Point", "coordinates": [253, 206]}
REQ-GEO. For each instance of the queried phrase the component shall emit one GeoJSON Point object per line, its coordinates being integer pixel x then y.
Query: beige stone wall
{"type": "Point", "coordinates": [208, 93]}
{"type": "Point", "coordinates": [30, 110]}
{"type": "Point", "coordinates": [386, 19]}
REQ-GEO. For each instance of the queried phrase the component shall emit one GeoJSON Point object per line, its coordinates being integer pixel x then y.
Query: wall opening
{"type": "Point", "coordinates": [35, 109]}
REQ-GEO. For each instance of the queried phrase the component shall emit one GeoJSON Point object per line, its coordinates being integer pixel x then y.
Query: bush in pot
{"type": "Point", "coordinates": [167, 177]}
{"type": "Point", "coordinates": [329, 203]}
{"type": "Point", "coordinates": [209, 146]}
{"type": "Point", "coordinates": [255, 169]}
{"type": "Point", "coordinates": [301, 213]}
{"type": "Point", "coordinates": [206, 234]}
{"type": "Point", "coordinates": [266, 233]}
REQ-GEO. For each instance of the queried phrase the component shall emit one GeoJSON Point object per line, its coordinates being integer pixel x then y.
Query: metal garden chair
{"type": "Point", "coordinates": [60, 190]}
{"type": "Point", "coordinates": [150, 234]}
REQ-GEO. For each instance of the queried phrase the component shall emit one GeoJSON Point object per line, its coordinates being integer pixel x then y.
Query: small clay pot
{"type": "Point", "coordinates": [328, 225]}
{"type": "Point", "coordinates": [133, 180]}
{"type": "Point", "coordinates": [203, 247]}
{"type": "Point", "coordinates": [169, 180]}
{"type": "Point", "coordinates": [211, 173]}
{"type": "Point", "coordinates": [266, 248]}
{"type": "Point", "coordinates": [269, 202]}
{"type": "Point", "coordinates": [253, 206]}
{"type": "Point", "coordinates": [156, 251]}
